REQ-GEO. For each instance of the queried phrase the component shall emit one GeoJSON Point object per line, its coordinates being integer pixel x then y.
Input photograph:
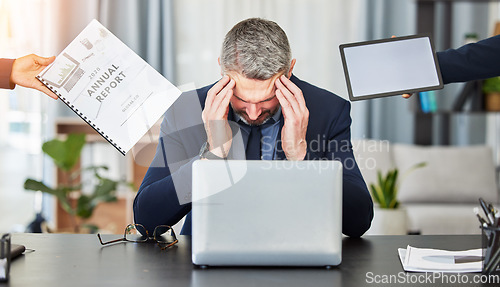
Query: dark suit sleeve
{"type": "Point", "coordinates": [164, 196]}
{"type": "Point", "coordinates": [5, 71]}
{"type": "Point", "coordinates": [474, 61]}
{"type": "Point", "coordinates": [157, 201]}
{"type": "Point", "coordinates": [357, 205]}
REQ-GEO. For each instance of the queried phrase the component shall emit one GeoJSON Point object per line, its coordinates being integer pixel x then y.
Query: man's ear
{"type": "Point", "coordinates": [292, 64]}
{"type": "Point", "coordinates": [221, 72]}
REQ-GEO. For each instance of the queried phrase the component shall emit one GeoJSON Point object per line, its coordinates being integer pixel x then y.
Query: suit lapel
{"type": "Point", "coordinates": [280, 154]}
{"type": "Point", "coordinates": [230, 114]}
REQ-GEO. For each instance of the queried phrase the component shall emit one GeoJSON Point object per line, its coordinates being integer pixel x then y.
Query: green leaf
{"type": "Point", "coordinates": [385, 187]}
{"type": "Point", "coordinates": [373, 190]}
{"type": "Point", "coordinates": [66, 205]}
{"type": "Point", "coordinates": [105, 188]}
{"type": "Point", "coordinates": [35, 185]}
{"type": "Point", "coordinates": [385, 192]}
{"type": "Point", "coordinates": [491, 85]}
{"type": "Point", "coordinates": [61, 193]}
{"type": "Point", "coordinates": [65, 153]}
{"type": "Point", "coordinates": [31, 184]}
{"type": "Point", "coordinates": [391, 187]}
{"type": "Point", "coordinates": [379, 195]}
{"type": "Point", "coordinates": [380, 180]}
{"type": "Point", "coordinates": [84, 207]}
{"type": "Point", "coordinates": [394, 203]}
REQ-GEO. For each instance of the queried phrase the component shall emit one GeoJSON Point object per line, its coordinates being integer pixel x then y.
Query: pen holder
{"type": "Point", "coordinates": [491, 249]}
{"type": "Point", "coordinates": [4, 257]}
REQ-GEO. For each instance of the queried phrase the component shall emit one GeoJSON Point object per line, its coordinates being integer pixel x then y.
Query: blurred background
{"type": "Point", "coordinates": [182, 39]}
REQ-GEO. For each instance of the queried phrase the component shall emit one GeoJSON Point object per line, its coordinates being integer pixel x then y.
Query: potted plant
{"type": "Point", "coordinates": [491, 89]}
{"type": "Point", "coordinates": [389, 217]}
{"type": "Point", "coordinates": [79, 206]}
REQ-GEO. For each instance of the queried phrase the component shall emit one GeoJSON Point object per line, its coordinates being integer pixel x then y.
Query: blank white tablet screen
{"type": "Point", "coordinates": [390, 67]}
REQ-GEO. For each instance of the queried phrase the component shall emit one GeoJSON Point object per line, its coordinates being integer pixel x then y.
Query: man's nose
{"type": "Point", "coordinates": [253, 111]}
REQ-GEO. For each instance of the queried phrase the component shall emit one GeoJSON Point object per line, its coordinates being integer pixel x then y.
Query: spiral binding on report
{"type": "Point", "coordinates": [81, 115]}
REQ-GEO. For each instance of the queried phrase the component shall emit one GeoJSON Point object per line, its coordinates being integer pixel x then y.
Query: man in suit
{"type": "Point", "coordinates": [22, 72]}
{"type": "Point", "coordinates": [258, 110]}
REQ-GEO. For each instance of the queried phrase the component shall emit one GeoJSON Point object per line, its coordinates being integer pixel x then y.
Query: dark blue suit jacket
{"type": "Point", "coordinates": [474, 61]}
{"type": "Point", "coordinates": [182, 135]}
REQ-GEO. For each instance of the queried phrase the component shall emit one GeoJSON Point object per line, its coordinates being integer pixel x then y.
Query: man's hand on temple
{"type": "Point", "coordinates": [26, 68]}
{"type": "Point", "coordinates": [215, 117]}
{"type": "Point", "coordinates": [296, 115]}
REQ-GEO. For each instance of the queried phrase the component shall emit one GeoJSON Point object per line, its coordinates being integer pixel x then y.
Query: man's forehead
{"type": "Point", "coordinates": [252, 90]}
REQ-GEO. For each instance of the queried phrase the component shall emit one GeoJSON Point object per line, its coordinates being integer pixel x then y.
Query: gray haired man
{"type": "Point", "coordinates": [258, 110]}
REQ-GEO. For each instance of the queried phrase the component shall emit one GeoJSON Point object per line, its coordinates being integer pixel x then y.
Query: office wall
{"type": "Point", "coordinates": [315, 29]}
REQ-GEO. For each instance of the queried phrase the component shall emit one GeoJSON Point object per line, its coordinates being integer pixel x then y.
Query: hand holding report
{"type": "Point", "coordinates": [109, 86]}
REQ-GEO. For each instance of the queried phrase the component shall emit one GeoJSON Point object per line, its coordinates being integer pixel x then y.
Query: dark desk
{"type": "Point", "coordinates": [79, 260]}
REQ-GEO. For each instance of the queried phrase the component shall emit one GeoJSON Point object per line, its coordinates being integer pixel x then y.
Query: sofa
{"type": "Point", "coordinates": [440, 197]}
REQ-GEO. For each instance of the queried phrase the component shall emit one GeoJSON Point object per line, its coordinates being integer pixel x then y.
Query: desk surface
{"type": "Point", "coordinates": [79, 260]}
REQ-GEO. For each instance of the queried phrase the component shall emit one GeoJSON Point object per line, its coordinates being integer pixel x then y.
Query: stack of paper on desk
{"type": "Point", "coordinates": [435, 260]}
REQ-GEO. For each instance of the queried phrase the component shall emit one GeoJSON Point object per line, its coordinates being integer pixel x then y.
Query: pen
{"type": "Point", "coordinates": [486, 210]}
{"type": "Point", "coordinates": [481, 220]}
{"type": "Point", "coordinates": [491, 208]}
{"type": "Point", "coordinates": [453, 259]}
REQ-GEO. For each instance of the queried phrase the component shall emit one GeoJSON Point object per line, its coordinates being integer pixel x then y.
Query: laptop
{"type": "Point", "coordinates": [267, 213]}
{"type": "Point", "coordinates": [389, 67]}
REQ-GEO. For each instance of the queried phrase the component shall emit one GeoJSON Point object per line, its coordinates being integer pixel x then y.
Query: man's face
{"type": "Point", "coordinates": [254, 100]}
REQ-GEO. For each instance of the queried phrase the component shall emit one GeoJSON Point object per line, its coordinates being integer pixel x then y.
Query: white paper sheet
{"type": "Point", "coordinates": [434, 260]}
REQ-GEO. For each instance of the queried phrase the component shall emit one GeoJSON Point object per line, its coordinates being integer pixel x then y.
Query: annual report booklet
{"type": "Point", "coordinates": [109, 86]}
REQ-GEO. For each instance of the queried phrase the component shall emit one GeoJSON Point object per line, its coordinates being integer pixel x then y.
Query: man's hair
{"type": "Point", "coordinates": [257, 49]}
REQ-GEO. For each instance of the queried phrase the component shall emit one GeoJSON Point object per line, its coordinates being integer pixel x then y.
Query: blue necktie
{"type": "Point", "coordinates": [253, 149]}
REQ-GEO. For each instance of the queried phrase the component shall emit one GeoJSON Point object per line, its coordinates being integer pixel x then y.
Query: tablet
{"type": "Point", "coordinates": [388, 67]}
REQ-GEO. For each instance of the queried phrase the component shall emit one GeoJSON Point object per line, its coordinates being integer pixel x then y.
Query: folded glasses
{"type": "Point", "coordinates": [164, 235]}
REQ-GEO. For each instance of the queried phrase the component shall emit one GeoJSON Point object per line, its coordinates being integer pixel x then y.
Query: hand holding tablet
{"type": "Point", "coordinates": [389, 67]}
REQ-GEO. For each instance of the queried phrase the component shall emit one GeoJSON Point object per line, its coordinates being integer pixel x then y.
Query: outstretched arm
{"type": "Point", "coordinates": [22, 72]}
{"type": "Point", "coordinates": [474, 61]}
